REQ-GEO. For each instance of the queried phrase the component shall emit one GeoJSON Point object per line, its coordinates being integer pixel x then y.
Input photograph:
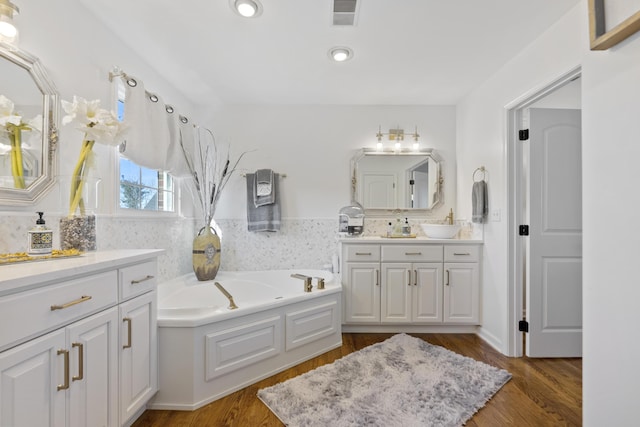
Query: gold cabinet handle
{"type": "Point", "coordinates": [409, 283]}
{"type": "Point", "coordinates": [70, 303]}
{"type": "Point", "coordinates": [66, 370]}
{"type": "Point", "coordinates": [80, 361]}
{"type": "Point", "coordinates": [447, 278]}
{"type": "Point", "coordinates": [363, 253]}
{"type": "Point", "coordinates": [413, 253]}
{"type": "Point", "coordinates": [136, 281]}
{"type": "Point", "coordinates": [377, 277]}
{"type": "Point", "coordinates": [415, 272]}
{"type": "Point", "coordinates": [128, 320]}
{"type": "Point", "coordinates": [461, 253]}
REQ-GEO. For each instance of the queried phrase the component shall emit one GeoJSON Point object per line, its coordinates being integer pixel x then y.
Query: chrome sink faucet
{"type": "Point", "coordinates": [307, 281]}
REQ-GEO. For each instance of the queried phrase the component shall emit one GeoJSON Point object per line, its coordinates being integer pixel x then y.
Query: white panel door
{"type": "Point", "coordinates": [395, 300]}
{"type": "Point", "coordinates": [93, 344]}
{"type": "Point", "coordinates": [30, 375]}
{"type": "Point", "coordinates": [427, 292]}
{"type": "Point", "coordinates": [362, 293]}
{"type": "Point", "coordinates": [379, 190]}
{"type": "Point", "coordinates": [554, 267]}
{"type": "Point", "coordinates": [138, 354]}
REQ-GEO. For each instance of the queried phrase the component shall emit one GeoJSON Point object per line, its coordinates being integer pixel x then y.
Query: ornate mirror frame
{"type": "Point", "coordinates": [406, 211]}
{"type": "Point", "coordinates": [50, 114]}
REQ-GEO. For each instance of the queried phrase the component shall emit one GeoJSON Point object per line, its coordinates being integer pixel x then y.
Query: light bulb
{"type": "Point", "coordinates": [246, 9]}
{"type": "Point", "coordinates": [340, 54]}
{"type": "Point", "coordinates": [8, 30]}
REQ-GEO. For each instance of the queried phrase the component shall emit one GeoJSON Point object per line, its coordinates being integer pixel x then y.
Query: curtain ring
{"type": "Point", "coordinates": [169, 109]}
{"type": "Point", "coordinates": [132, 82]}
{"type": "Point", "coordinates": [184, 120]}
{"type": "Point", "coordinates": [153, 97]}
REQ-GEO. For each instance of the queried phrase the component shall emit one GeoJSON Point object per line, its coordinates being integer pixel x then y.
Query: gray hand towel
{"type": "Point", "coordinates": [263, 193]}
{"type": "Point", "coordinates": [265, 217]}
{"type": "Point", "coordinates": [479, 201]}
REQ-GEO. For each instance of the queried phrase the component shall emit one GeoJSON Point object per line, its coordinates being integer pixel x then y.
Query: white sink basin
{"type": "Point", "coordinates": [440, 231]}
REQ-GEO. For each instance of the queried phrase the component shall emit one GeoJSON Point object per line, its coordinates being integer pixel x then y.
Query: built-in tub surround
{"type": "Point", "coordinates": [208, 350]}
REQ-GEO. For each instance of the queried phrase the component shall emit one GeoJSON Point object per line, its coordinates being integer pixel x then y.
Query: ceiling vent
{"type": "Point", "coordinates": [344, 12]}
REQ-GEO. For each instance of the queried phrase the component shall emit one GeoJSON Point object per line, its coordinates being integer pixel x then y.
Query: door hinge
{"type": "Point", "coordinates": [523, 134]}
{"type": "Point", "coordinates": [523, 230]}
{"type": "Point", "coordinates": [523, 326]}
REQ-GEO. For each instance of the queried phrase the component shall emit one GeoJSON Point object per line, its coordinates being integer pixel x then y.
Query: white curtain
{"type": "Point", "coordinates": [148, 136]}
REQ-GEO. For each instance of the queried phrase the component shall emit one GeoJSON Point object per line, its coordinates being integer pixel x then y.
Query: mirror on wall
{"type": "Point", "coordinates": [383, 181]}
{"type": "Point", "coordinates": [28, 127]}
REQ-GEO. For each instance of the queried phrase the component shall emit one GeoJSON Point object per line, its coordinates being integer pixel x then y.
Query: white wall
{"type": "Point", "coordinates": [481, 136]}
{"type": "Point", "coordinates": [611, 291]}
{"type": "Point", "coordinates": [313, 145]}
{"type": "Point", "coordinates": [610, 111]}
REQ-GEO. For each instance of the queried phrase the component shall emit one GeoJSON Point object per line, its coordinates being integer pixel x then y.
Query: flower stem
{"type": "Point", "coordinates": [17, 170]}
{"type": "Point", "coordinates": [78, 179]}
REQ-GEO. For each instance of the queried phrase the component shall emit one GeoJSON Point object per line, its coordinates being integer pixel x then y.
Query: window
{"type": "Point", "coordinates": [142, 188]}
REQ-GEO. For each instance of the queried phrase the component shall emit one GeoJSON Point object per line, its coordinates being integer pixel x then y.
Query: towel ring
{"type": "Point", "coordinates": [481, 170]}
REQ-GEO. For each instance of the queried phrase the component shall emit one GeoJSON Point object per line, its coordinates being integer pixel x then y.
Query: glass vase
{"type": "Point", "coordinates": [78, 226]}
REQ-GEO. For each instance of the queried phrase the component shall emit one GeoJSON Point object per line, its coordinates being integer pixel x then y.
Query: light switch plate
{"type": "Point", "coordinates": [496, 215]}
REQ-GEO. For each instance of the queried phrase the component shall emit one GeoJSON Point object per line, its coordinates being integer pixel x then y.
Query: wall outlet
{"type": "Point", "coordinates": [496, 215]}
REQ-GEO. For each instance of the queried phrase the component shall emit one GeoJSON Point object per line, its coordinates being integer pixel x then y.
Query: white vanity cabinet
{"type": "Point", "coordinates": [395, 284]}
{"type": "Point", "coordinates": [361, 270]}
{"type": "Point", "coordinates": [61, 356]}
{"type": "Point", "coordinates": [411, 283]}
{"type": "Point", "coordinates": [462, 284]}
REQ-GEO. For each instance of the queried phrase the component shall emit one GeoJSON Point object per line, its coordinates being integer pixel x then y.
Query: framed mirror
{"type": "Point", "coordinates": [28, 128]}
{"type": "Point", "coordinates": [410, 181]}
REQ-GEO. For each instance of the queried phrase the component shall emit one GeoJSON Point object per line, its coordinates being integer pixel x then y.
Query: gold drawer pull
{"type": "Point", "coordinates": [136, 281]}
{"type": "Point", "coordinates": [66, 370]}
{"type": "Point", "coordinates": [413, 253]}
{"type": "Point", "coordinates": [363, 253]}
{"type": "Point", "coordinates": [461, 253]}
{"type": "Point", "coordinates": [128, 320]}
{"type": "Point", "coordinates": [448, 278]}
{"type": "Point", "coordinates": [70, 303]}
{"type": "Point", "coordinates": [80, 361]}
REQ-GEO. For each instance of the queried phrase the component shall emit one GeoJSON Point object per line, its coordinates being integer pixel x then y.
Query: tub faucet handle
{"type": "Point", "coordinates": [320, 284]}
{"type": "Point", "coordinates": [307, 281]}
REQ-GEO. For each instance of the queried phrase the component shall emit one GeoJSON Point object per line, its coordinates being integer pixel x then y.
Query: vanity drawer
{"type": "Point", "coordinates": [461, 253]}
{"type": "Point", "coordinates": [362, 252]}
{"type": "Point", "coordinates": [137, 279]}
{"type": "Point", "coordinates": [412, 253]}
{"type": "Point", "coordinates": [29, 313]}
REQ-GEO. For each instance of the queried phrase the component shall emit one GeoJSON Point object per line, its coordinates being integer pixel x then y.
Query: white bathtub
{"type": "Point", "coordinates": [207, 350]}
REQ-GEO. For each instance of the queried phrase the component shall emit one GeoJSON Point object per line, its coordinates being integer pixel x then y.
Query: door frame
{"type": "Point", "coordinates": [516, 212]}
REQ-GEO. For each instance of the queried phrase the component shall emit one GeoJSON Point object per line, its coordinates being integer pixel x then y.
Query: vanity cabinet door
{"type": "Point", "coordinates": [461, 293]}
{"type": "Point", "coordinates": [29, 377]}
{"type": "Point", "coordinates": [93, 390]}
{"type": "Point", "coordinates": [396, 292]}
{"type": "Point", "coordinates": [138, 354]}
{"type": "Point", "coordinates": [362, 292]}
{"type": "Point", "coordinates": [427, 293]}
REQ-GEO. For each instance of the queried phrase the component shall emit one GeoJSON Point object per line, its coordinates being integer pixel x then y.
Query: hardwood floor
{"type": "Point", "coordinates": [542, 392]}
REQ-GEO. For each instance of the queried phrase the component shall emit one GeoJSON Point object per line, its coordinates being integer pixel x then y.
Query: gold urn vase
{"type": "Point", "coordinates": [206, 254]}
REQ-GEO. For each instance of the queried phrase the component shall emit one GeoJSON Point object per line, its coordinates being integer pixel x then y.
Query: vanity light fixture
{"type": "Point", "coordinates": [8, 29]}
{"type": "Point", "coordinates": [397, 135]}
{"type": "Point", "coordinates": [340, 53]}
{"type": "Point", "coordinates": [246, 8]}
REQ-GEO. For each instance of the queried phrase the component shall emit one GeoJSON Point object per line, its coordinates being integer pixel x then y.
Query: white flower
{"type": "Point", "coordinates": [99, 125]}
{"type": "Point", "coordinates": [7, 115]}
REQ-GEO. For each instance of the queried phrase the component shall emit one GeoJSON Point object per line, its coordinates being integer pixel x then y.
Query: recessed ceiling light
{"type": "Point", "coordinates": [340, 53]}
{"type": "Point", "coordinates": [246, 8]}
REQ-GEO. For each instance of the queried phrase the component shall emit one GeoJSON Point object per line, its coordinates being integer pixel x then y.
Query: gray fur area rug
{"type": "Point", "coordinates": [403, 381]}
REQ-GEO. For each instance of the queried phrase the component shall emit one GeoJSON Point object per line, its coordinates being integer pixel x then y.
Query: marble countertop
{"type": "Point", "coordinates": [33, 274]}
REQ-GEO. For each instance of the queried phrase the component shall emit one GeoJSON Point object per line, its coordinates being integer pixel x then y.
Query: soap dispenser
{"type": "Point", "coordinates": [406, 228]}
{"type": "Point", "coordinates": [40, 238]}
